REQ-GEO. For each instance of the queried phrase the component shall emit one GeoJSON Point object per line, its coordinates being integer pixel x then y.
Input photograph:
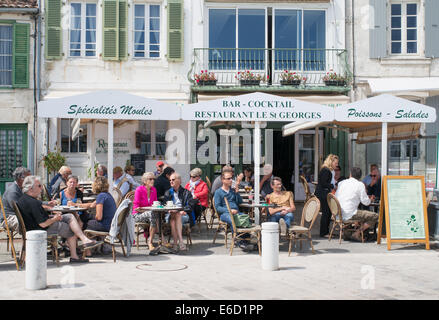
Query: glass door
{"type": "Point", "coordinates": [305, 161]}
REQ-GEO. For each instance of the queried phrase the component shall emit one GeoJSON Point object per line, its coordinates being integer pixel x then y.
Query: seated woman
{"type": "Point", "coordinates": [246, 179]}
{"type": "Point", "coordinates": [105, 206]}
{"type": "Point", "coordinates": [285, 202]}
{"type": "Point", "coordinates": [177, 218]}
{"type": "Point", "coordinates": [145, 196]}
{"type": "Point", "coordinates": [72, 196]}
{"type": "Point", "coordinates": [199, 191]}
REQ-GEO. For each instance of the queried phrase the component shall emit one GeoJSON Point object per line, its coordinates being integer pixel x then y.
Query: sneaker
{"type": "Point", "coordinates": [283, 226]}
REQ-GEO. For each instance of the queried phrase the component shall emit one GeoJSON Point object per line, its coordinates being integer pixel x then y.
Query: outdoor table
{"type": "Point", "coordinates": [89, 199]}
{"type": "Point", "coordinates": [66, 209]}
{"type": "Point", "coordinates": [375, 206]}
{"type": "Point", "coordinates": [162, 210]}
{"type": "Point", "coordinates": [252, 206]}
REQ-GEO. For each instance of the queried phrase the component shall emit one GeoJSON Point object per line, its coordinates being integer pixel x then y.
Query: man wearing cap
{"type": "Point", "coordinates": [120, 181]}
{"type": "Point", "coordinates": [159, 165]}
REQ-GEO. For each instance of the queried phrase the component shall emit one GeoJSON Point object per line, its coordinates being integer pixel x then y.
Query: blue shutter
{"type": "Point", "coordinates": [378, 29]}
{"type": "Point", "coordinates": [432, 28]}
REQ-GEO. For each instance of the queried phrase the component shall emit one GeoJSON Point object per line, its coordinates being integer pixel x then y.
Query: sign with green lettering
{"type": "Point", "coordinates": [257, 107]}
{"type": "Point", "coordinates": [385, 108]}
{"type": "Point", "coordinates": [108, 105]}
{"type": "Point", "coordinates": [405, 209]}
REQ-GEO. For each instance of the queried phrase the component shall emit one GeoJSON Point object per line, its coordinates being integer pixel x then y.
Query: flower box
{"type": "Point", "coordinates": [250, 82]}
{"type": "Point", "coordinates": [207, 82]}
{"type": "Point", "coordinates": [290, 82]}
{"type": "Point", "coordinates": [335, 83]}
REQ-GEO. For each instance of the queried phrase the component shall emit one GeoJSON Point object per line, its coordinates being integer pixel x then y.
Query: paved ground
{"type": "Point", "coordinates": [348, 270]}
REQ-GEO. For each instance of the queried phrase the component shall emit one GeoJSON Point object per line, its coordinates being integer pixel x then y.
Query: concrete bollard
{"type": "Point", "coordinates": [36, 260]}
{"type": "Point", "coordinates": [270, 246]}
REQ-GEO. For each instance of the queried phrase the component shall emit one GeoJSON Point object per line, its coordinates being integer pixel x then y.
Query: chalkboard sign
{"type": "Point", "coordinates": [405, 210]}
{"type": "Point", "coordinates": [138, 161]}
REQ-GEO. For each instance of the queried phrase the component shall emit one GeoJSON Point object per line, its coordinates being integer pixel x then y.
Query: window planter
{"type": "Point", "coordinates": [290, 82]}
{"type": "Point", "coordinates": [335, 83]}
{"type": "Point", "coordinates": [250, 82]}
{"type": "Point", "coordinates": [207, 82]}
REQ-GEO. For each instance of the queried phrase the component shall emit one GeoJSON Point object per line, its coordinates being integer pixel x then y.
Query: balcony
{"type": "Point", "coordinates": [312, 64]}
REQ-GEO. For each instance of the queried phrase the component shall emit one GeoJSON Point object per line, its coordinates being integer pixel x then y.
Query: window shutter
{"type": "Point", "coordinates": [111, 30]}
{"type": "Point", "coordinates": [53, 29]}
{"type": "Point", "coordinates": [175, 30]}
{"type": "Point", "coordinates": [378, 29]}
{"type": "Point", "coordinates": [431, 28]}
{"type": "Point", "coordinates": [123, 29]}
{"type": "Point", "coordinates": [20, 56]}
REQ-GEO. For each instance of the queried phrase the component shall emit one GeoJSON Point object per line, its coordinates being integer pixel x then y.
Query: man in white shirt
{"type": "Point", "coordinates": [120, 181]}
{"type": "Point", "coordinates": [350, 193]}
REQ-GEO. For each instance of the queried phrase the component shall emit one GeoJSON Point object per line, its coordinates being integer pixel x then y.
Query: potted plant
{"type": "Point", "coordinates": [53, 161]}
{"type": "Point", "coordinates": [205, 78]}
{"type": "Point", "coordinates": [291, 78]}
{"type": "Point", "coordinates": [248, 78]}
{"type": "Point", "coordinates": [333, 79]}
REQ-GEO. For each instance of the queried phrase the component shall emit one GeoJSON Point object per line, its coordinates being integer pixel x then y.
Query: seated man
{"type": "Point", "coordinates": [374, 187]}
{"type": "Point", "coordinates": [350, 193]}
{"type": "Point", "coordinates": [234, 199]}
{"type": "Point", "coordinates": [129, 174]}
{"type": "Point", "coordinates": [283, 214]}
{"type": "Point", "coordinates": [101, 171]}
{"type": "Point", "coordinates": [265, 184]}
{"type": "Point", "coordinates": [180, 197]}
{"type": "Point", "coordinates": [217, 183]}
{"type": "Point", "coordinates": [36, 218]}
{"type": "Point", "coordinates": [61, 182]}
{"type": "Point", "coordinates": [162, 183]}
{"type": "Point", "coordinates": [121, 182]}
{"type": "Point", "coordinates": [13, 193]}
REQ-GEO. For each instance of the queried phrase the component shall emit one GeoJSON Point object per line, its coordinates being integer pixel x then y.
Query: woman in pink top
{"type": "Point", "coordinates": [144, 196]}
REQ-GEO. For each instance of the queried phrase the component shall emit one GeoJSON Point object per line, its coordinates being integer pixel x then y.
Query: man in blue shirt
{"type": "Point", "coordinates": [120, 181]}
{"type": "Point", "coordinates": [234, 199]}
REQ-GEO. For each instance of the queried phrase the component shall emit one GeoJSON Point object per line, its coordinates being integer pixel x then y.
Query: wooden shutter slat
{"type": "Point", "coordinates": [111, 30]}
{"type": "Point", "coordinates": [431, 28]}
{"type": "Point", "coordinates": [53, 29]}
{"type": "Point", "coordinates": [20, 60]}
{"type": "Point", "coordinates": [123, 29]}
{"type": "Point", "coordinates": [378, 29]}
{"type": "Point", "coordinates": [175, 30]}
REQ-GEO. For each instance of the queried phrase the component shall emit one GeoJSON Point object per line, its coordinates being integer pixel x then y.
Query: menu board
{"type": "Point", "coordinates": [405, 210]}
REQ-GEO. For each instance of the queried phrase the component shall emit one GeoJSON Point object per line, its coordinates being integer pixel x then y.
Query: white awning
{"type": "Point", "coordinates": [294, 127]}
{"type": "Point", "coordinates": [385, 85]}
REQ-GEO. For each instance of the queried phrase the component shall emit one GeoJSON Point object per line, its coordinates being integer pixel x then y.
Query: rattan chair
{"type": "Point", "coordinates": [237, 233]}
{"type": "Point", "coordinates": [221, 225]}
{"type": "Point", "coordinates": [310, 212]}
{"type": "Point", "coordinates": [337, 219]}
{"type": "Point", "coordinates": [52, 240]}
{"type": "Point", "coordinates": [117, 196]}
{"type": "Point", "coordinates": [211, 209]}
{"type": "Point", "coordinates": [209, 184]}
{"type": "Point", "coordinates": [305, 185]}
{"type": "Point", "coordinates": [106, 235]}
{"type": "Point", "coordinates": [130, 195]}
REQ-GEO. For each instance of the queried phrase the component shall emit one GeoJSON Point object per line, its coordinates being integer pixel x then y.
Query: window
{"type": "Point", "coordinates": [5, 55]}
{"type": "Point", "coordinates": [400, 150]}
{"type": "Point", "coordinates": [404, 28]}
{"type": "Point", "coordinates": [146, 31]}
{"type": "Point", "coordinates": [152, 138]}
{"type": "Point", "coordinates": [77, 145]}
{"type": "Point", "coordinates": [13, 149]}
{"type": "Point", "coordinates": [82, 29]}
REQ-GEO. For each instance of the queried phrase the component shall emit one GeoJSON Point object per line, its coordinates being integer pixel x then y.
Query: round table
{"type": "Point", "coordinates": [65, 209]}
{"type": "Point", "coordinates": [162, 210]}
{"type": "Point", "coordinates": [252, 206]}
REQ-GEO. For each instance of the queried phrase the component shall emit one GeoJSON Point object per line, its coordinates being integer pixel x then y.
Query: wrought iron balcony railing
{"type": "Point", "coordinates": [312, 64]}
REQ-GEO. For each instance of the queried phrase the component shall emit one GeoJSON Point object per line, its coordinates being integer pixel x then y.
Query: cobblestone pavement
{"type": "Point", "coordinates": [349, 270]}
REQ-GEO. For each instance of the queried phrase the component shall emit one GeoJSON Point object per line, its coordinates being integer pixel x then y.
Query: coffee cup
{"type": "Point", "coordinates": [169, 203]}
{"type": "Point", "coordinates": [156, 203]}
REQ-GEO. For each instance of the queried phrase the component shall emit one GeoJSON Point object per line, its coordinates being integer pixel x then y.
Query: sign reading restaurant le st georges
{"type": "Point", "coordinates": [385, 108]}
{"type": "Point", "coordinates": [108, 105]}
{"type": "Point", "coordinates": [257, 107]}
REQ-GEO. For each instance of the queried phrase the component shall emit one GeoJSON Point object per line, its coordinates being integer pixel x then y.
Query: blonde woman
{"type": "Point", "coordinates": [144, 196]}
{"type": "Point", "coordinates": [325, 186]}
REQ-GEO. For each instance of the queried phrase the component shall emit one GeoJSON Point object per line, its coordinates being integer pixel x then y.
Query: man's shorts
{"type": "Point", "coordinates": [62, 227]}
{"type": "Point", "coordinates": [365, 216]}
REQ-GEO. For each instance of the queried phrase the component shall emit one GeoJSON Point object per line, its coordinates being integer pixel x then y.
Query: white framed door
{"type": "Point", "coordinates": [304, 160]}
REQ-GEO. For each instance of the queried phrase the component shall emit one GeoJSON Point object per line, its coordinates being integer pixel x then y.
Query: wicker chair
{"type": "Point", "coordinates": [305, 185]}
{"type": "Point", "coordinates": [52, 240]}
{"type": "Point", "coordinates": [209, 184]}
{"type": "Point", "coordinates": [221, 225]}
{"type": "Point", "coordinates": [130, 195]}
{"type": "Point", "coordinates": [237, 233]}
{"type": "Point", "coordinates": [310, 212]}
{"type": "Point", "coordinates": [100, 234]}
{"type": "Point", "coordinates": [211, 209]}
{"type": "Point", "coordinates": [117, 196]}
{"type": "Point", "coordinates": [337, 218]}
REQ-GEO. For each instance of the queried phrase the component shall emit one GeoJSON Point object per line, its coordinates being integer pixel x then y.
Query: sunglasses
{"type": "Point", "coordinates": [173, 179]}
{"type": "Point", "coordinates": [373, 175]}
{"type": "Point", "coordinates": [151, 179]}
{"type": "Point", "coordinates": [227, 178]}
{"type": "Point", "coordinates": [194, 176]}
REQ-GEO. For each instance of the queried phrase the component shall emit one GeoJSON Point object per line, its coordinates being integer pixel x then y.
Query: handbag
{"type": "Point", "coordinates": [242, 220]}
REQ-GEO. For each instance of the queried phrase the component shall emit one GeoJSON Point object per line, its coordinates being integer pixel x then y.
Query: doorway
{"type": "Point", "coordinates": [283, 158]}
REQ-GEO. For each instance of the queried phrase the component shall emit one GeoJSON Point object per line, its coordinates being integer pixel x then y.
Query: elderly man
{"type": "Point", "coordinates": [160, 167]}
{"type": "Point", "coordinates": [36, 218]}
{"type": "Point", "coordinates": [374, 187]}
{"type": "Point", "coordinates": [180, 197]}
{"type": "Point", "coordinates": [101, 171]}
{"type": "Point", "coordinates": [121, 181]}
{"type": "Point", "coordinates": [350, 193]}
{"type": "Point", "coordinates": [61, 182]}
{"type": "Point", "coordinates": [13, 193]}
